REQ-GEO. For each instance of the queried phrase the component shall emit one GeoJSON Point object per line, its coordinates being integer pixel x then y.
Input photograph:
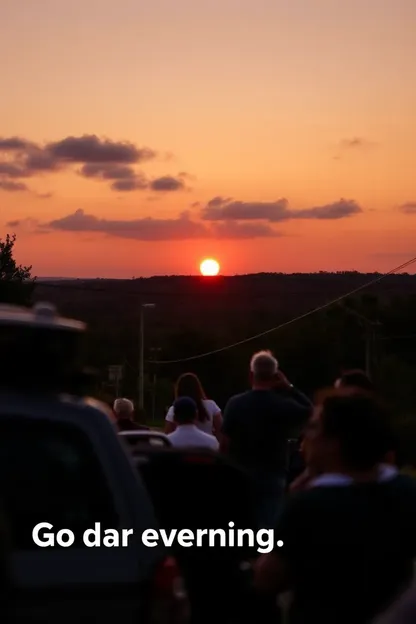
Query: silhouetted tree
{"type": "Point", "coordinates": [16, 282]}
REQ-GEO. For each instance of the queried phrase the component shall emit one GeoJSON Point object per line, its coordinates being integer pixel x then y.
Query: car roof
{"type": "Point", "coordinates": [42, 316]}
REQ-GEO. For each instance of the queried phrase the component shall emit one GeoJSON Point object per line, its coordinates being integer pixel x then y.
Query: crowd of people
{"type": "Point", "coordinates": [347, 520]}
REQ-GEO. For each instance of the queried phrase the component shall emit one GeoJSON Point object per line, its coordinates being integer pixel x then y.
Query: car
{"type": "Point", "coordinates": [66, 479]}
{"type": "Point", "coordinates": [154, 438]}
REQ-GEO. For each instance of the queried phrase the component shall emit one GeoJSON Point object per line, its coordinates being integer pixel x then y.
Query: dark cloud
{"type": "Point", "coordinates": [236, 230]}
{"type": "Point", "coordinates": [338, 210]}
{"type": "Point", "coordinates": [167, 183]}
{"type": "Point", "coordinates": [102, 159]}
{"type": "Point", "coordinates": [13, 143]}
{"type": "Point", "coordinates": [91, 149]}
{"type": "Point", "coordinates": [12, 187]}
{"type": "Point", "coordinates": [354, 143]}
{"type": "Point", "coordinates": [218, 201]}
{"type": "Point", "coordinates": [408, 208]}
{"type": "Point", "coordinates": [150, 229]}
{"type": "Point", "coordinates": [11, 170]}
{"type": "Point", "coordinates": [38, 160]}
{"type": "Point", "coordinates": [134, 184]}
{"type": "Point", "coordinates": [219, 209]}
{"type": "Point", "coordinates": [107, 171]}
{"type": "Point", "coordinates": [147, 229]}
{"type": "Point", "coordinates": [27, 223]}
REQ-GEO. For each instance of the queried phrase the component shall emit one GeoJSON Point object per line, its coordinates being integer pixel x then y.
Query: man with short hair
{"type": "Point", "coordinates": [345, 547]}
{"type": "Point", "coordinates": [187, 434]}
{"type": "Point", "coordinates": [124, 411]}
{"type": "Point", "coordinates": [256, 428]}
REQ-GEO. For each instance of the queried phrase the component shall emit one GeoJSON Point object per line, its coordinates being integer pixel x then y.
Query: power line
{"type": "Point", "coordinates": [293, 320]}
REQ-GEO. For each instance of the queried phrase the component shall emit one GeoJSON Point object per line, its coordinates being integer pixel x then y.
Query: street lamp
{"type": "Point", "coordinates": [369, 329]}
{"type": "Point", "coordinates": [141, 362]}
{"type": "Point", "coordinates": [154, 354]}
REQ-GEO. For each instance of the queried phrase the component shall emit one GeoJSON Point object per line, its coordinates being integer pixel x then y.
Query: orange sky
{"type": "Point", "coordinates": [256, 101]}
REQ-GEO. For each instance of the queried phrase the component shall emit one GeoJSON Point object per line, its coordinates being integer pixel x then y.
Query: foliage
{"type": "Point", "coordinates": [16, 282]}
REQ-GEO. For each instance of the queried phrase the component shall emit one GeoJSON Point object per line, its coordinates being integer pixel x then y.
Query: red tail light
{"type": "Point", "coordinates": [167, 576]}
{"type": "Point", "coordinates": [170, 602]}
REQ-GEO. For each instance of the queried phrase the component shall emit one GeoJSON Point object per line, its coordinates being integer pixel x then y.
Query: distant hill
{"type": "Point", "coordinates": [181, 299]}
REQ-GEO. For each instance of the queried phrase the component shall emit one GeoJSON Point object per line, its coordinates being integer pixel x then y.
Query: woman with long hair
{"type": "Point", "coordinates": [209, 414]}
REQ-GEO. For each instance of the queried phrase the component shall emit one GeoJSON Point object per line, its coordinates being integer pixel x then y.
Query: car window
{"type": "Point", "coordinates": [50, 473]}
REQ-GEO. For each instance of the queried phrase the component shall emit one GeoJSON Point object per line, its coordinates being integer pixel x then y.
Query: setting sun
{"type": "Point", "coordinates": [209, 267]}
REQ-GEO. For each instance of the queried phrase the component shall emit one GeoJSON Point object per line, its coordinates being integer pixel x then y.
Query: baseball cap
{"type": "Point", "coordinates": [185, 408]}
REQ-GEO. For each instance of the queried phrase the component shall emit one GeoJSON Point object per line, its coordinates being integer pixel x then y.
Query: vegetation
{"type": "Point", "coordinates": [373, 330]}
{"type": "Point", "coordinates": [16, 282]}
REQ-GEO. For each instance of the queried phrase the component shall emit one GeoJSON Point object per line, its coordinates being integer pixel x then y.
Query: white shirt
{"type": "Point", "coordinates": [386, 473]}
{"type": "Point", "coordinates": [189, 436]}
{"type": "Point", "coordinates": [205, 425]}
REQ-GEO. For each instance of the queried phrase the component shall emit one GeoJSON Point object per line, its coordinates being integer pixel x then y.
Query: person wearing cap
{"type": "Point", "coordinates": [187, 434]}
{"type": "Point", "coordinates": [124, 411]}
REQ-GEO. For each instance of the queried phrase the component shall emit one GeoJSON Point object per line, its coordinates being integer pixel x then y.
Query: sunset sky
{"type": "Point", "coordinates": [139, 136]}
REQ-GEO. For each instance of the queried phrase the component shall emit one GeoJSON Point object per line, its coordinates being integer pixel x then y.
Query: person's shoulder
{"type": "Point", "coordinates": [239, 398]}
{"type": "Point", "coordinates": [208, 438]}
{"type": "Point", "coordinates": [212, 406]}
{"type": "Point", "coordinates": [314, 498]}
{"type": "Point", "coordinates": [169, 415]}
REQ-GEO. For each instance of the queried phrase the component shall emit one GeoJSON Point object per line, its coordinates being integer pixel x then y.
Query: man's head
{"type": "Point", "coordinates": [185, 411]}
{"type": "Point", "coordinates": [123, 408]}
{"type": "Point", "coordinates": [347, 432]}
{"type": "Point", "coordinates": [355, 378]}
{"type": "Point", "coordinates": [263, 369]}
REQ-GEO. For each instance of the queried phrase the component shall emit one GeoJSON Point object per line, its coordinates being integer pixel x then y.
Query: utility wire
{"type": "Point", "coordinates": [290, 322]}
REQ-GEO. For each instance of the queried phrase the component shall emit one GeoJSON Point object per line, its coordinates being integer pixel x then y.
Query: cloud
{"type": "Point", "coordinates": [10, 170]}
{"type": "Point", "coordinates": [337, 210]}
{"type": "Point", "coordinates": [90, 149]}
{"type": "Point", "coordinates": [236, 230]}
{"type": "Point", "coordinates": [167, 183]}
{"type": "Point", "coordinates": [354, 143]}
{"type": "Point", "coordinates": [12, 187]}
{"type": "Point", "coordinates": [408, 208]}
{"type": "Point", "coordinates": [133, 184]}
{"type": "Point", "coordinates": [100, 158]}
{"type": "Point", "coordinates": [124, 177]}
{"type": "Point", "coordinates": [44, 195]}
{"type": "Point", "coordinates": [182, 227]}
{"type": "Point", "coordinates": [107, 171]}
{"type": "Point", "coordinates": [146, 229]}
{"type": "Point", "coordinates": [28, 223]}
{"type": "Point", "coordinates": [220, 209]}
{"type": "Point", "coordinates": [13, 143]}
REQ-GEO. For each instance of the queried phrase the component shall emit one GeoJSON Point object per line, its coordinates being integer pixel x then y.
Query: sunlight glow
{"type": "Point", "coordinates": [209, 267]}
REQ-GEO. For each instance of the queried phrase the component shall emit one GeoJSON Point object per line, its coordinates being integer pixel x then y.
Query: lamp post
{"type": "Point", "coordinates": [370, 337]}
{"type": "Point", "coordinates": [141, 359]}
{"type": "Point", "coordinates": [155, 352]}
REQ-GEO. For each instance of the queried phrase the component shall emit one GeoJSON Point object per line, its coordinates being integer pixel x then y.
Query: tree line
{"type": "Point", "coordinates": [371, 331]}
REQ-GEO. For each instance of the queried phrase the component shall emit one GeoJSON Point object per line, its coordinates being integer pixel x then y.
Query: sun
{"type": "Point", "coordinates": [209, 267]}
